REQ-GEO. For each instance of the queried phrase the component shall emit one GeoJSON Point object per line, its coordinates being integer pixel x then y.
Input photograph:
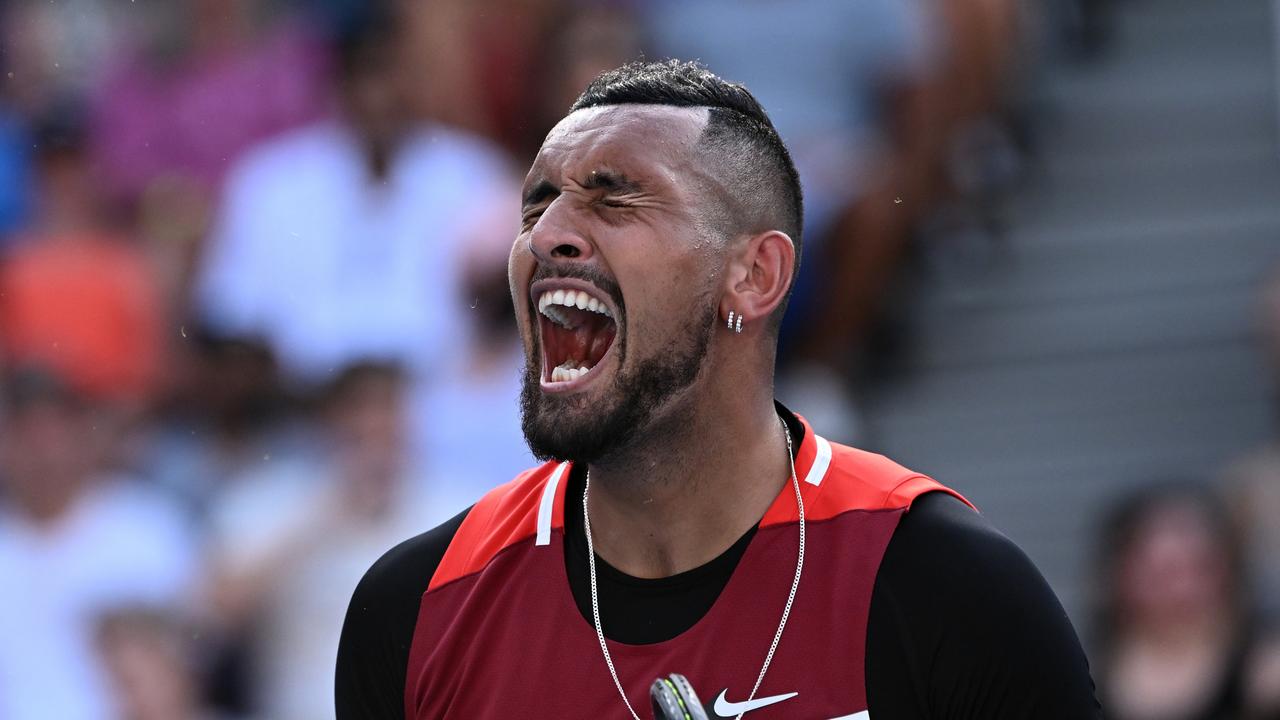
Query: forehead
{"type": "Point", "coordinates": [633, 139]}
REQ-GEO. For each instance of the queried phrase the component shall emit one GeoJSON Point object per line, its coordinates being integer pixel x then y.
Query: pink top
{"type": "Point", "coordinates": [193, 118]}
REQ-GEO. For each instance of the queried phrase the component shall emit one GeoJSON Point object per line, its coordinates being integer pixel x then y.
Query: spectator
{"type": "Point", "coordinates": [75, 295]}
{"type": "Point", "coordinates": [228, 413]}
{"type": "Point", "coordinates": [340, 241]}
{"type": "Point", "coordinates": [291, 540]}
{"type": "Point", "coordinates": [74, 544]}
{"type": "Point", "coordinates": [151, 657]}
{"type": "Point", "coordinates": [204, 80]}
{"type": "Point", "coordinates": [1178, 640]}
{"type": "Point", "coordinates": [448, 36]}
{"type": "Point", "coordinates": [588, 39]}
{"type": "Point", "coordinates": [473, 433]}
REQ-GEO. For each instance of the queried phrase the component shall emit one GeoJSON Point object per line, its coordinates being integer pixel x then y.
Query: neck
{"type": "Point", "coordinates": [690, 489]}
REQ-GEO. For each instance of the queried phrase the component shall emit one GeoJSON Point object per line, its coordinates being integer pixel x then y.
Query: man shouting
{"type": "Point", "coordinates": [684, 522]}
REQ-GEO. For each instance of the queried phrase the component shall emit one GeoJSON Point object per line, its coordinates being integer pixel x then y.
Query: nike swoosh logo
{"type": "Point", "coordinates": [726, 709]}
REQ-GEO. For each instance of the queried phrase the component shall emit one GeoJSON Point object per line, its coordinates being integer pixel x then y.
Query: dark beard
{"type": "Point", "coordinates": [571, 428]}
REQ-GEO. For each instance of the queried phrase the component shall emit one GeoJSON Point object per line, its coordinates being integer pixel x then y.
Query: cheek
{"type": "Point", "coordinates": [663, 308]}
{"type": "Point", "coordinates": [519, 270]}
{"type": "Point", "coordinates": [520, 266]}
{"type": "Point", "coordinates": [517, 261]}
{"type": "Point", "coordinates": [663, 288]}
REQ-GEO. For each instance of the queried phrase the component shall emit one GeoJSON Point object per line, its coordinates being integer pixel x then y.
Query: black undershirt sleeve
{"type": "Point", "coordinates": [963, 626]}
{"type": "Point", "coordinates": [373, 654]}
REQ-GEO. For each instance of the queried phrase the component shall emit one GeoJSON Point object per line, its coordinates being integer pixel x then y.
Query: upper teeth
{"type": "Point", "coordinates": [569, 298]}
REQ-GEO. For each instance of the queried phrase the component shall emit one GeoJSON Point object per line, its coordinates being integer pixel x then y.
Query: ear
{"type": "Point", "coordinates": [758, 277]}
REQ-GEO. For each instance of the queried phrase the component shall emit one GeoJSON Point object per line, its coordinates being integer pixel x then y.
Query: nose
{"type": "Point", "coordinates": [556, 238]}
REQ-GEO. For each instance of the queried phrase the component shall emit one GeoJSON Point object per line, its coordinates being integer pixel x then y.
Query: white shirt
{"type": "Point", "coordinates": [327, 266]}
{"type": "Point", "coordinates": [303, 612]}
{"type": "Point", "coordinates": [475, 438]}
{"type": "Point", "coordinates": [119, 545]}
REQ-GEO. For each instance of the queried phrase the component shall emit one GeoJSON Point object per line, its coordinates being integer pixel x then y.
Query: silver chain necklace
{"type": "Point", "coordinates": [786, 611]}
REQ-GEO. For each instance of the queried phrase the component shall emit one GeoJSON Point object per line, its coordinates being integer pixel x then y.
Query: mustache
{"type": "Point", "coordinates": [579, 272]}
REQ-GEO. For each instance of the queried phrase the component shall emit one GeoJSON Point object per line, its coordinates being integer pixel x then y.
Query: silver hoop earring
{"type": "Point", "coordinates": [738, 327]}
{"type": "Point", "coordinates": [729, 323]}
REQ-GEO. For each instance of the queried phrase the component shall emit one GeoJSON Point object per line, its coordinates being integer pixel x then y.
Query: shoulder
{"type": "Point", "coordinates": [302, 148]}
{"type": "Point", "coordinates": [373, 652]}
{"type": "Point", "coordinates": [458, 145]}
{"type": "Point", "coordinates": [944, 546]}
{"type": "Point", "coordinates": [402, 573]}
{"type": "Point", "coordinates": [499, 518]}
{"type": "Point", "coordinates": [255, 498]}
{"type": "Point", "coordinates": [436, 155]}
{"type": "Point", "coordinates": [523, 508]}
{"type": "Point", "coordinates": [124, 516]}
{"type": "Point", "coordinates": [949, 563]}
{"type": "Point", "coordinates": [857, 479]}
{"type": "Point", "coordinates": [139, 538]}
{"type": "Point", "coordinates": [959, 612]}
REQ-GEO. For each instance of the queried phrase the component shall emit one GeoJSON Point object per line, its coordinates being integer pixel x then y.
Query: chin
{"type": "Point", "coordinates": [582, 426]}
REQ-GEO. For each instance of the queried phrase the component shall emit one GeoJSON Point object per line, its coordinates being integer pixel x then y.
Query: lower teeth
{"type": "Point", "coordinates": [562, 373]}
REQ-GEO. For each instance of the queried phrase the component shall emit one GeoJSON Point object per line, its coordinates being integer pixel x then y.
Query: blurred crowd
{"type": "Point", "coordinates": [255, 326]}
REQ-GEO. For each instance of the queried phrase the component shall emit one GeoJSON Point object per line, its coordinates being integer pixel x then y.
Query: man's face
{"type": "Point", "coordinates": [613, 276]}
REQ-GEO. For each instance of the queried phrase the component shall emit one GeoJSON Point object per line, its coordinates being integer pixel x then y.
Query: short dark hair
{"type": "Point", "coordinates": [738, 134]}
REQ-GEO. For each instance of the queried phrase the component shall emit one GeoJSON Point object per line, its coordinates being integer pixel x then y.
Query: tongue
{"type": "Point", "coordinates": [588, 341]}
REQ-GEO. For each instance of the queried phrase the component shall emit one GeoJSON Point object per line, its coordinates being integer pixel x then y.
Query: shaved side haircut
{"type": "Point", "coordinates": [739, 139]}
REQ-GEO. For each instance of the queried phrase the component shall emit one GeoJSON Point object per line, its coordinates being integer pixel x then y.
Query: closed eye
{"type": "Point", "coordinates": [530, 217]}
{"type": "Point", "coordinates": [536, 199]}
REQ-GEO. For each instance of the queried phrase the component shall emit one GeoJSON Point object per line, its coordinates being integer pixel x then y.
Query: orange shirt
{"type": "Point", "coordinates": [87, 307]}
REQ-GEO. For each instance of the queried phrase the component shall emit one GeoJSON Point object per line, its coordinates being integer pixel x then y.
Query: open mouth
{"type": "Point", "coordinates": [577, 329]}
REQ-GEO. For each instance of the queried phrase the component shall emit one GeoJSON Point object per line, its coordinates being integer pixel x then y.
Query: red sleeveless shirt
{"type": "Point", "coordinates": [499, 634]}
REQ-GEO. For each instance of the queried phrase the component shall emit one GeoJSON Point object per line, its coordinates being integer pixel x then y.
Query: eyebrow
{"type": "Point", "coordinates": [541, 190]}
{"type": "Point", "coordinates": [614, 183]}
